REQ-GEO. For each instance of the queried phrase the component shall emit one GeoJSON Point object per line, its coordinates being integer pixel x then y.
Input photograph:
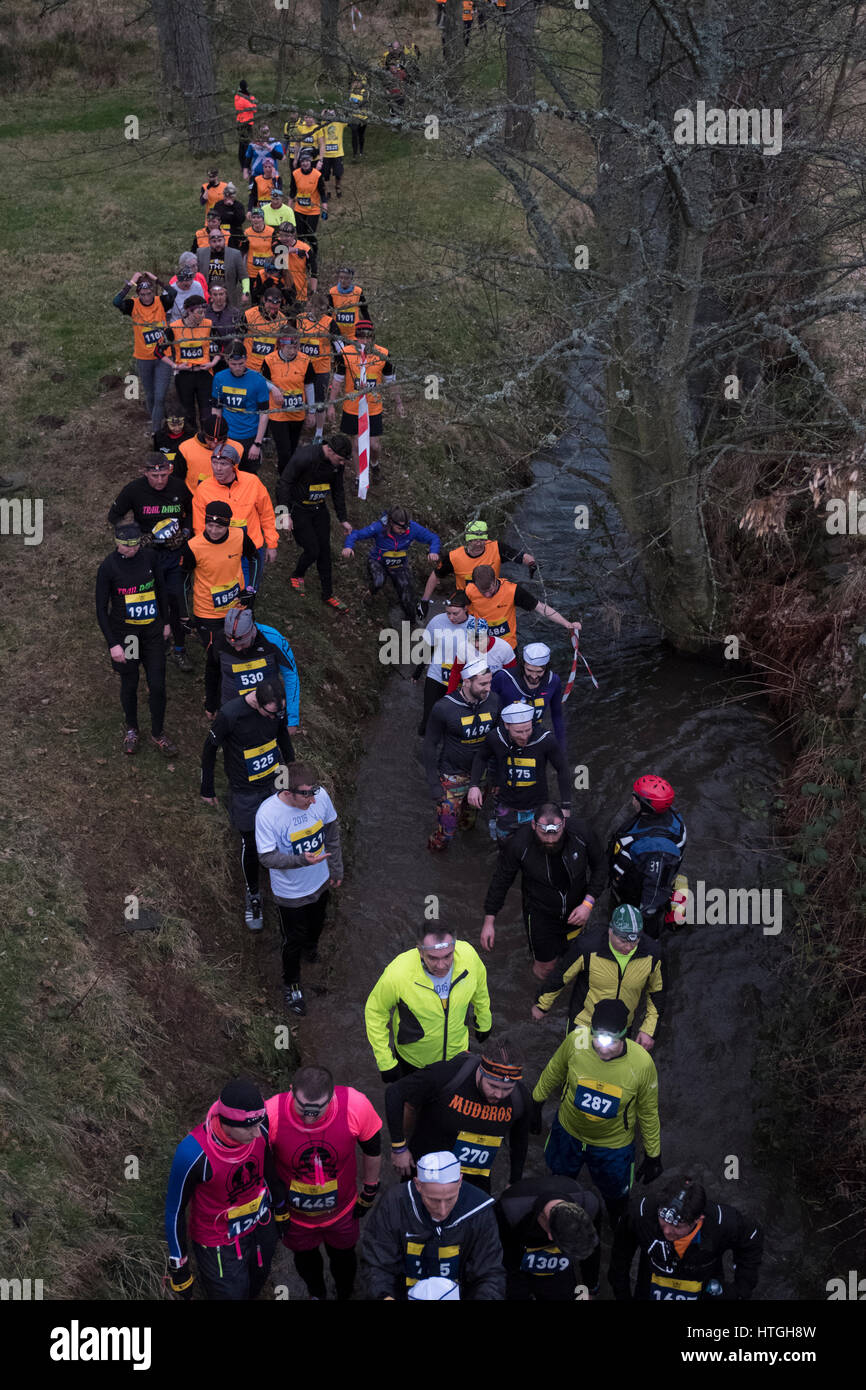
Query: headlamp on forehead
{"type": "Point", "coordinates": [550, 826]}
{"type": "Point", "coordinates": [606, 1037]}
{"type": "Point", "coordinates": [672, 1214]}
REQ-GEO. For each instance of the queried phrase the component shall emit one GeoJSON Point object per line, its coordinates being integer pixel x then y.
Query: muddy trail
{"type": "Point", "coordinates": [654, 711]}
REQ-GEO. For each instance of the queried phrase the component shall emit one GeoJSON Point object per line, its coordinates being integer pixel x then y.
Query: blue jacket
{"type": "Point", "coordinates": [288, 670]}
{"type": "Point", "coordinates": [391, 546]}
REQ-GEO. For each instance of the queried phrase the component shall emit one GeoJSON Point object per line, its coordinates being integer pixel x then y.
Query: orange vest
{"type": "Point", "coordinates": [315, 341]}
{"type": "Point", "coordinates": [263, 187]}
{"type": "Point", "coordinates": [499, 610]}
{"type": "Point", "coordinates": [463, 564]}
{"type": "Point", "coordinates": [252, 508]}
{"type": "Point", "coordinates": [260, 336]}
{"type": "Point", "coordinates": [468, 11]}
{"type": "Point", "coordinates": [288, 377]}
{"type": "Point", "coordinates": [245, 108]}
{"type": "Point", "coordinates": [296, 267]}
{"type": "Point", "coordinates": [376, 358]}
{"type": "Point", "coordinates": [346, 310]}
{"type": "Point", "coordinates": [148, 328]}
{"type": "Point", "coordinates": [192, 344]}
{"type": "Point", "coordinates": [259, 253]}
{"type": "Point", "coordinates": [218, 579]}
{"type": "Point", "coordinates": [213, 195]}
{"type": "Point", "coordinates": [201, 236]}
{"type": "Point", "coordinates": [197, 457]}
{"type": "Point", "coordinates": [307, 198]}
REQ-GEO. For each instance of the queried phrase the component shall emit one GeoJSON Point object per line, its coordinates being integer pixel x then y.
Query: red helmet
{"type": "Point", "coordinates": [654, 791]}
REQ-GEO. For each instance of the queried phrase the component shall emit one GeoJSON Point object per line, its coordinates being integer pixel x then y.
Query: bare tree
{"type": "Point", "coordinates": [520, 74]}
{"type": "Point", "coordinates": [330, 11]}
{"type": "Point", "coordinates": [183, 30]}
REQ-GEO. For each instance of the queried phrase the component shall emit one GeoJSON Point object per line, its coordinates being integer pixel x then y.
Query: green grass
{"type": "Point", "coordinates": [115, 1042]}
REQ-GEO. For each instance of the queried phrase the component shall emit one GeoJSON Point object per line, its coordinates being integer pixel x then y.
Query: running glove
{"type": "Point", "coordinates": [483, 1033]}
{"type": "Point", "coordinates": [182, 1282]}
{"type": "Point", "coordinates": [649, 1169]}
{"type": "Point", "coordinates": [536, 1119]}
{"type": "Point", "coordinates": [366, 1198]}
{"type": "Point", "coordinates": [392, 1074]}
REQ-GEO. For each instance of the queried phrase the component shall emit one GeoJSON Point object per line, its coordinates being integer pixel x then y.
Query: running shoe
{"type": "Point", "coordinates": [164, 744]}
{"type": "Point", "coordinates": [130, 741]}
{"type": "Point", "coordinates": [337, 604]}
{"type": "Point", "coordinates": [253, 914]}
{"type": "Point", "coordinates": [294, 999]}
{"type": "Point", "coordinates": [298, 586]}
{"type": "Point", "coordinates": [181, 660]}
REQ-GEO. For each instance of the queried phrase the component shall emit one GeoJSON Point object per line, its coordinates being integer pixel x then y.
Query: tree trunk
{"type": "Point", "coordinates": [169, 93]}
{"type": "Point", "coordinates": [329, 11]}
{"type": "Point", "coordinates": [184, 31]}
{"type": "Point", "coordinates": [653, 228]}
{"type": "Point", "coordinates": [452, 44]}
{"type": "Point", "coordinates": [520, 18]}
{"type": "Point", "coordinates": [282, 54]}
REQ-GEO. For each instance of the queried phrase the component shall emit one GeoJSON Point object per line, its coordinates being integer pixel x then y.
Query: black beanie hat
{"type": "Point", "coordinates": [241, 1102]}
{"type": "Point", "coordinates": [610, 1016]}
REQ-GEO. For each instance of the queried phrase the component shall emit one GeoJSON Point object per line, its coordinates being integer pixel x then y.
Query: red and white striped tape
{"type": "Point", "coordinates": [573, 672]}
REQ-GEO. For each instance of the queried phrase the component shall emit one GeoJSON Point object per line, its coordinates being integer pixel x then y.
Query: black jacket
{"type": "Point", "coordinates": [309, 468]}
{"type": "Point", "coordinates": [724, 1228]}
{"type": "Point", "coordinates": [400, 1220]}
{"type": "Point", "coordinates": [519, 1205]}
{"type": "Point", "coordinates": [581, 854]}
{"type": "Point", "coordinates": [520, 773]}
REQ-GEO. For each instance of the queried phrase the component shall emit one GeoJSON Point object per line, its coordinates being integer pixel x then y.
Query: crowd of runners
{"type": "Point", "coordinates": [241, 353]}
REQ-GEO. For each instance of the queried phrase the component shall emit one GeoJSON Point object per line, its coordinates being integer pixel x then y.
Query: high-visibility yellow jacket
{"type": "Point", "coordinates": [426, 1028]}
{"type": "Point", "coordinates": [602, 1102]}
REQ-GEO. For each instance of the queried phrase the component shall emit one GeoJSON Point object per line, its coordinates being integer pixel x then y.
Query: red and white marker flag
{"type": "Point", "coordinates": [363, 431]}
{"type": "Point", "coordinates": [573, 672]}
{"type": "Point", "coordinates": [355, 11]}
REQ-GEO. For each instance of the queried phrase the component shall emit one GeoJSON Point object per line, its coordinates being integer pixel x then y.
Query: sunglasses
{"type": "Point", "coordinates": [306, 791]}
{"type": "Point", "coordinates": [311, 1111]}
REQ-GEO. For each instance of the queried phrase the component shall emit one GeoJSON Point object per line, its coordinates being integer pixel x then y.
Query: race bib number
{"type": "Point", "coordinates": [140, 608]}
{"type": "Point", "coordinates": [497, 629]}
{"type": "Point", "coordinates": [597, 1100]}
{"type": "Point", "coordinates": [317, 493]}
{"type": "Point", "coordinates": [304, 201]}
{"type": "Point", "coordinates": [331, 146]}
{"type": "Point", "coordinates": [345, 316]}
{"type": "Point", "coordinates": [394, 558]}
{"type": "Point", "coordinates": [313, 1197]}
{"type": "Point", "coordinates": [309, 841]}
{"type": "Point", "coordinates": [260, 260]}
{"type": "Point", "coordinates": [474, 730]}
{"type": "Point", "coordinates": [153, 335]}
{"type": "Point", "coordinates": [224, 595]}
{"type": "Point", "coordinates": [249, 673]}
{"type": "Point", "coordinates": [243, 1219]}
{"type": "Point", "coordinates": [191, 352]}
{"type": "Point", "coordinates": [260, 761]}
{"type": "Point", "coordinates": [521, 772]}
{"type": "Point", "coordinates": [544, 1259]}
{"type": "Point", "coordinates": [475, 1152]}
{"type": "Point", "coordinates": [311, 349]}
{"type": "Point", "coordinates": [293, 402]}
{"type": "Point", "coordinates": [447, 1262]}
{"type": "Point", "coordinates": [665, 1290]}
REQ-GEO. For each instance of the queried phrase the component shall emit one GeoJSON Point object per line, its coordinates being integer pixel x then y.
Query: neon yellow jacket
{"type": "Point", "coordinates": [603, 1101]}
{"type": "Point", "coordinates": [426, 1029]}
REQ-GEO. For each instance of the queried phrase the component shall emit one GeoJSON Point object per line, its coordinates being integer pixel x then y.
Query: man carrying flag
{"type": "Point", "coordinates": [361, 368]}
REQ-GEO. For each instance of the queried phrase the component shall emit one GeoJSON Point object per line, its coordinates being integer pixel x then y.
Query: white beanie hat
{"type": "Point", "coordinates": [438, 1167]}
{"type": "Point", "coordinates": [536, 653]}
{"type": "Point", "coordinates": [474, 668]}
{"type": "Point", "coordinates": [518, 713]}
{"type": "Point", "coordinates": [435, 1289]}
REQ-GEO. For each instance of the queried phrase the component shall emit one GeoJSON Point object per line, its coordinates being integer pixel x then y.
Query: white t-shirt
{"type": "Point", "coordinates": [443, 637]}
{"type": "Point", "coordinates": [292, 831]}
{"type": "Point", "coordinates": [441, 983]}
{"type": "Point", "coordinates": [497, 655]}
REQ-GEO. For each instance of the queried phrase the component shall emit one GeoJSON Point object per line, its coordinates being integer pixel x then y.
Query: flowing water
{"type": "Point", "coordinates": [654, 711]}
